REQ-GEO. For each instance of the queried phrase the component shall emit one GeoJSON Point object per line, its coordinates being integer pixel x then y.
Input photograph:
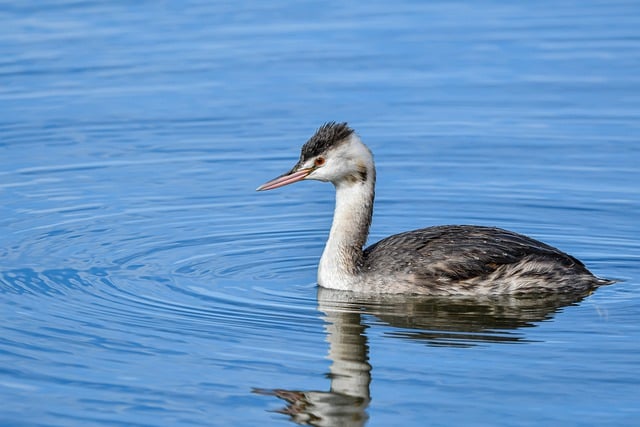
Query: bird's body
{"type": "Point", "coordinates": [441, 260]}
{"type": "Point", "coordinates": [474, 260]}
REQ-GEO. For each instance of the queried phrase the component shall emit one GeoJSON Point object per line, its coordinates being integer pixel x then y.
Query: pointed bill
{"type": "Point", "coordinates": [286, 179]}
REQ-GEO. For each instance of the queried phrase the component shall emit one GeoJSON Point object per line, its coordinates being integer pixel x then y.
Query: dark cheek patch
{"type": "Point", "coordinates": [360, 175]}
{"type": "Point", "coordinates": [362, 172]}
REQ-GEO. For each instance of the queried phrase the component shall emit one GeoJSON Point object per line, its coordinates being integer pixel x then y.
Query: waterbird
{"type": "Point", "coordinates": [467, 260]}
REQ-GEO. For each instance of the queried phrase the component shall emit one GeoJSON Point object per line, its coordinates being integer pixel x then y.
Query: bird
{"type": "Point", "coordinates": [465, 260]}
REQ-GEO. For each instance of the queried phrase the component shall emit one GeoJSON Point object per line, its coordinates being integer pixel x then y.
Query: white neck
{"type": "Point", "coordinates": [342, 256]}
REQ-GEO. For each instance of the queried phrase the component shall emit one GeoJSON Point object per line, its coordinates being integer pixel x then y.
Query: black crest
{"type": "Point", "coordinates": [325, 137]}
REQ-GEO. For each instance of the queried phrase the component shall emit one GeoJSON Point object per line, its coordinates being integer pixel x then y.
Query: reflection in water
{"type": "Point", "coordinates": [348, 396]}
{"type": "Point", "coordinates": [456, 321]}
{"type": "Point", "coordinates": [434, 321]}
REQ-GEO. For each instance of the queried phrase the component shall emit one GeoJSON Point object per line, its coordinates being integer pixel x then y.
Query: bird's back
{"type": "Point", "coordinates": [465, 259]}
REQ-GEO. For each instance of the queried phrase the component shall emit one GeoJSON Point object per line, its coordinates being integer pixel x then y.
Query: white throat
{"type": "Point", "coordinates": [342, 256]}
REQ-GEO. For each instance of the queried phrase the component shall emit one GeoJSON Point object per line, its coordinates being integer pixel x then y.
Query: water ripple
{"type": "Point", "coordinates": [143, 279]}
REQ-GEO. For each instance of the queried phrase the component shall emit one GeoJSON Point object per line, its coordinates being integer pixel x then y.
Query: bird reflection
{"type": "Point", "coordinates": [431, 321]}
{"type": "Point", "coordinates": [346, 401]}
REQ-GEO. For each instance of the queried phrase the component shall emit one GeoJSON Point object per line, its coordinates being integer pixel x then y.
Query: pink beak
{"type": "Point", "coordinates": [286, 179]}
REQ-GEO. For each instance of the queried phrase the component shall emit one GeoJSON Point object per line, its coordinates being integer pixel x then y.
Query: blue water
{"type": "Point", "coordinates": [143, 282]}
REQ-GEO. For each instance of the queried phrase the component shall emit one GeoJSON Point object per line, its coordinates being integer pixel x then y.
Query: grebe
{"type": "Point", "coordinates": [440, 260]}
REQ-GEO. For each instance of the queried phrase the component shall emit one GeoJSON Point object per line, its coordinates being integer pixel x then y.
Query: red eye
{"type": "Point", "coordinates": [319, 161]}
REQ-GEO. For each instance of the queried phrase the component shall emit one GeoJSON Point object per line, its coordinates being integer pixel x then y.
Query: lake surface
{"type": "Point", "coordinates": [143, 281]}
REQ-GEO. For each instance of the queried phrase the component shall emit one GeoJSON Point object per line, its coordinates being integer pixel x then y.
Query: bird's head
{"type": "Point", "coordinates": [335, 154]}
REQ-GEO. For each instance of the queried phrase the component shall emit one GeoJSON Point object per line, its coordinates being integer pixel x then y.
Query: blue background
{"type": "Point", "coordinates": [144, 282]}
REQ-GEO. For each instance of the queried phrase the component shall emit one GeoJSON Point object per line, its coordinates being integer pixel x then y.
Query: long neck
{"type": "Point", "coordinates": [342, 256]}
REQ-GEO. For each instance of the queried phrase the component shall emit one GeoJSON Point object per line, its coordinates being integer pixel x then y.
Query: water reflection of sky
{"type": "Point", "coordinates": [141, 278]}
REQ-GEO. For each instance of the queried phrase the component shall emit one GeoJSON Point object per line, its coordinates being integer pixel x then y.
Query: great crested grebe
{"type": "Point", "coordinates": [440, 260]}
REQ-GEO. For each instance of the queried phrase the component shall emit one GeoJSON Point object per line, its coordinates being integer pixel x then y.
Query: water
{"type": "Point", "coordinates": [144, 282]}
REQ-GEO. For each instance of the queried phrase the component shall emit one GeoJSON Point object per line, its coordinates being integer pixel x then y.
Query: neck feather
{"type": "Point", "coordinates": [342, 256]}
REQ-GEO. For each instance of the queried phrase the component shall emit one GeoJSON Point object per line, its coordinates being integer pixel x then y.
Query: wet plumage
{"type": "Point", "coordinates": [440, 260]}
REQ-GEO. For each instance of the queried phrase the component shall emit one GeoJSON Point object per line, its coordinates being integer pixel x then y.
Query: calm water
{"type": "Point", "coordinates": [143, 282]}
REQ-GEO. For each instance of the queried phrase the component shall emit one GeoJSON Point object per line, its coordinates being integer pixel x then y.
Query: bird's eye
{"type": "Point", "coordinates": [319, 161]}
